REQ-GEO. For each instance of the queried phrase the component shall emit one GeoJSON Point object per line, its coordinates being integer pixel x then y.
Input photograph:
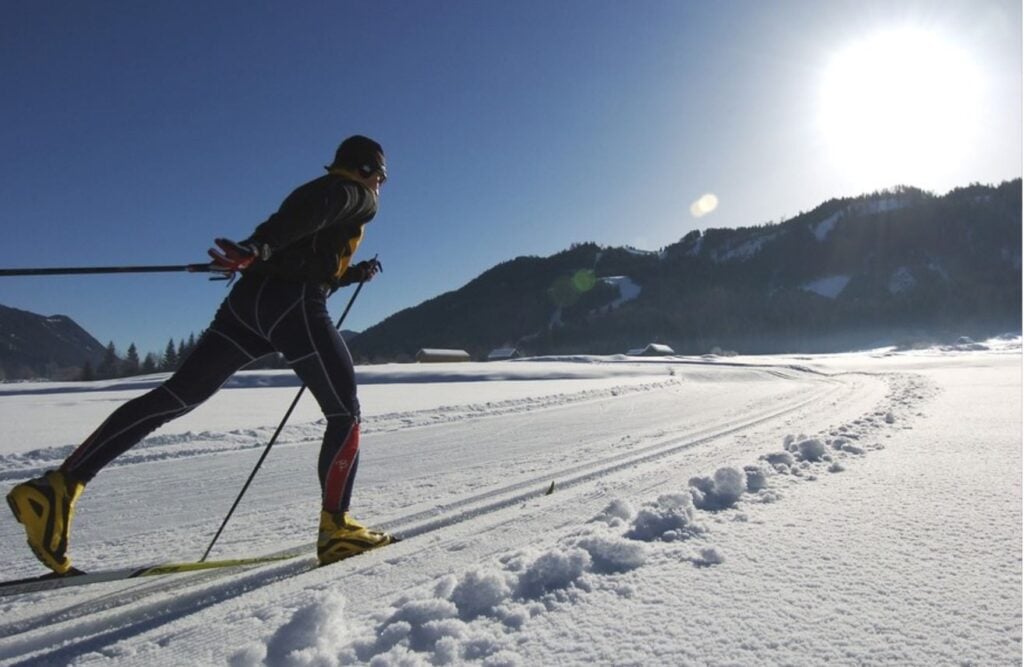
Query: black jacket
{"type": "Point", "coordinates": [314, 234]}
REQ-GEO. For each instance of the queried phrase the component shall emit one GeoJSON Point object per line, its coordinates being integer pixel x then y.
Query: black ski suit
{"type": "Point", "coordinates": [279, 304]}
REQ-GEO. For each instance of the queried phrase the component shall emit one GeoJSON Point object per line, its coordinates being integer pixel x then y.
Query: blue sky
{"type": "Point", "coordinates": [135, 133]}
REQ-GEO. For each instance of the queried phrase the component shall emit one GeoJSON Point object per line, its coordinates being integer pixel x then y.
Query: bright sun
{"type": "Point", "coordinates": [899, 108]}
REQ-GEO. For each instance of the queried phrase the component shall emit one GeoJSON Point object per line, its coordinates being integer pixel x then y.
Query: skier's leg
{"type": "Point", "coordinates": [45, 506]}
{"type": "Point", "coordinates": [316, 351]}
{"type": "Point", "coordinates": [215, 358]}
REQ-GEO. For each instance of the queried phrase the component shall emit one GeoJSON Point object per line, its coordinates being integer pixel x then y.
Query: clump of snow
{"type": "Point", "coordinates": [757, 478]}
{"type": "Point", "coordinates": [777, 459]}
{"type": "Point", "coordinates": [811, 449]}
{"type": "Point", "coordinates": [470, 618]}
{"type": "Point", "coordinates": [613, 554]}
{"type": "Point", "coordinates": [669, 518]}
{"type": "Point", "coordinates": [851, 448]}
{"type": "Point", "coordinates": [421, 611]}
{"type": "Point", "coordinates": [710, 556]}
{"type": "Point", "coordinates": [503, 659]}
{"type": "Point", "coordinates": [719, 492]}
{"type": "Point", "coordinates": [617, 512]}
{"type": "Point", "coordinates": [416, 626]}
{"type": "Point", "coordinates": [551, 571]}
{"type": "Point", "coordinates": [313, 636]}
{"type": "Point", "coordinates": [480, 592]}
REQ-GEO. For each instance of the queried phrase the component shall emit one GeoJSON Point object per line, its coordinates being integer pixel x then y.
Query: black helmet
{"type": "Point", "coordinates": [361, 154]}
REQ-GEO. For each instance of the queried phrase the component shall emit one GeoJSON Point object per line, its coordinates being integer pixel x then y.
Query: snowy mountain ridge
{"type": "Point", "coordinates": [39, 345]}
{"type": "Point", "coordinates": [913, 265]}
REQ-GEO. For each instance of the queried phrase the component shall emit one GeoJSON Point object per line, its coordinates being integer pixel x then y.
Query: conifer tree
{"type": "Point", "coordinates": [131, 361]}
{"type": "Point", "coordinates": [150, 364]}
{"type": "Point", "coordinates": [108, 366]}
{"type": "Point", "coordinates": [170, 360]}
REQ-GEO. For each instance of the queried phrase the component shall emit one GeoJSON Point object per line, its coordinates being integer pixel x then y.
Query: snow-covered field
{"type": "Point", "coordinates": [836, 509]}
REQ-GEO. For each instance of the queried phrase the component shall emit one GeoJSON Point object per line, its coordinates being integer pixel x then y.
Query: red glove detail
{"type": "Point", "coordinates": [231, 257]}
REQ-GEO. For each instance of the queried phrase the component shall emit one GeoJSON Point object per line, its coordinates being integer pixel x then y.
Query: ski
{"type": "Point", "coordinates": [53, 581]}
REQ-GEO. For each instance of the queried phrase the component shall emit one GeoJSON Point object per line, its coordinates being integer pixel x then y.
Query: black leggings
{"type": "Point", "coordinates": [259, 316]}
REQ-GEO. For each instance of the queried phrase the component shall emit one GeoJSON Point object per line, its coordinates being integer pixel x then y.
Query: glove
{"type": "Point", "coordinates": [362, 272]}
{"type": "Point", "coordinates": [235, 256]}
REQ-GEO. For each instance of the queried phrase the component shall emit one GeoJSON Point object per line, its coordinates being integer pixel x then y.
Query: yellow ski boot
{"type": "Point", "coordinates": [341, 536]}
{"type": "Point", "coordinates": [46, 506]}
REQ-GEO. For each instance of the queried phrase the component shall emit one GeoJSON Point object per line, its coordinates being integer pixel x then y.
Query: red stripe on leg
{"type": "Point", "coordinates": [340, 471]}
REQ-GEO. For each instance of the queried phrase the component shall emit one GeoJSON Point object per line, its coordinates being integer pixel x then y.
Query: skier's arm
{"type": "Point", "coordinates": [359, 273]}
{"type": "Point", "coordinates": [303, 214]}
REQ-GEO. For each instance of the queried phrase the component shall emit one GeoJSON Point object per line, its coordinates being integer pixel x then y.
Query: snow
{"type": "Point", "coordinates": [745, 250]}
{"type": "Point", "coordinates": [628, 290]}
{"type": "Point", "coordinates": [825, 227]}
{"type": "Point", "coordinates": [860, 508]}
{"type": "Point", "coordinates": [829, 287]}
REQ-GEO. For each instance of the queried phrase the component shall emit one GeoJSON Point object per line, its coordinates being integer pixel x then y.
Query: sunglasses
{"type": "Point", "coordinates": [369, 170]}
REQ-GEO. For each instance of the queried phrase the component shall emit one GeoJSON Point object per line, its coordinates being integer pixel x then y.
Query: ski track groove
{"type": "Point", "coordinates": [94, 624]}
{"type": "Point", "coordinates": [152, 449]}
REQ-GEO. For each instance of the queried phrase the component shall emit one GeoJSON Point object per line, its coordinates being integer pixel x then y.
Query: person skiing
{"type": "Point", "coordinates": [289, 266]}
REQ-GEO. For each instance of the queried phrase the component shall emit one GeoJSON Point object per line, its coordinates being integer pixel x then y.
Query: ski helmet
{"type": "Point", "coordinates": [361, 154]}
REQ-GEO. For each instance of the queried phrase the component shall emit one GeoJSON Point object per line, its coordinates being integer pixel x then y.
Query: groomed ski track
{"type": "Point", "coordinates": [658, 439]}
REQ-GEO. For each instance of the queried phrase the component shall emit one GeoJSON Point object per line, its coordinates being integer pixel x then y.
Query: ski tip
{"type": "Point", "coordinates": [551, 489]}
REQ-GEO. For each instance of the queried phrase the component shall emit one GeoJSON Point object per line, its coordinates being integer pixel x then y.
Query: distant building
{"type": "Point", "coordinates": [434, 355]}
{"type": "Point", "coordinates": [652, 350]}
{"type": "Point", "coordinates": [502, 353]}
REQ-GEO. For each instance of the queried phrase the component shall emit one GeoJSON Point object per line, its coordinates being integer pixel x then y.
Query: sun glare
{"type": "Point", "coordinates": [899, 107]}
{"type": "Point", "coordinates": [706, 204]}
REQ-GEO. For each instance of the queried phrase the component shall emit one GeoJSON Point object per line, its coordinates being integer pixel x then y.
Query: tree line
{"type": "Point", "coordinates": [112, 365]}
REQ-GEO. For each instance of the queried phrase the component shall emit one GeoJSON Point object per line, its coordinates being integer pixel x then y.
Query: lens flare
{"type": "Point", "coordinates": [706, 204]}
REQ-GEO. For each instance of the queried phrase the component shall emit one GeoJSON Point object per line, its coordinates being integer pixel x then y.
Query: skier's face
{"type": "Point", "coordinates": [372, 181]}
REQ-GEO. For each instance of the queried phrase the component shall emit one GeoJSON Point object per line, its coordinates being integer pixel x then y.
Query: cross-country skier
{"type": "Point", "coordinates": [289, 266]}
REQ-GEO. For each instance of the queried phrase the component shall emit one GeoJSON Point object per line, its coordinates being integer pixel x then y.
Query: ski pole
{"type": "Point", "coordinates": [273, 438]}
{"type": "Point", "coordinates": [79, 270]}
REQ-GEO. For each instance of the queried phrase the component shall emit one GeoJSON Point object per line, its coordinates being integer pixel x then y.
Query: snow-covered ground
{"type": "Point", "coordinates": [842, 509]}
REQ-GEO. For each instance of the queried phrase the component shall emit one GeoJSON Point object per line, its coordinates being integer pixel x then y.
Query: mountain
{"type": "Point", "coordinates": [899, 266]}
{"type": "Point", "coordinates": [34, 345]}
